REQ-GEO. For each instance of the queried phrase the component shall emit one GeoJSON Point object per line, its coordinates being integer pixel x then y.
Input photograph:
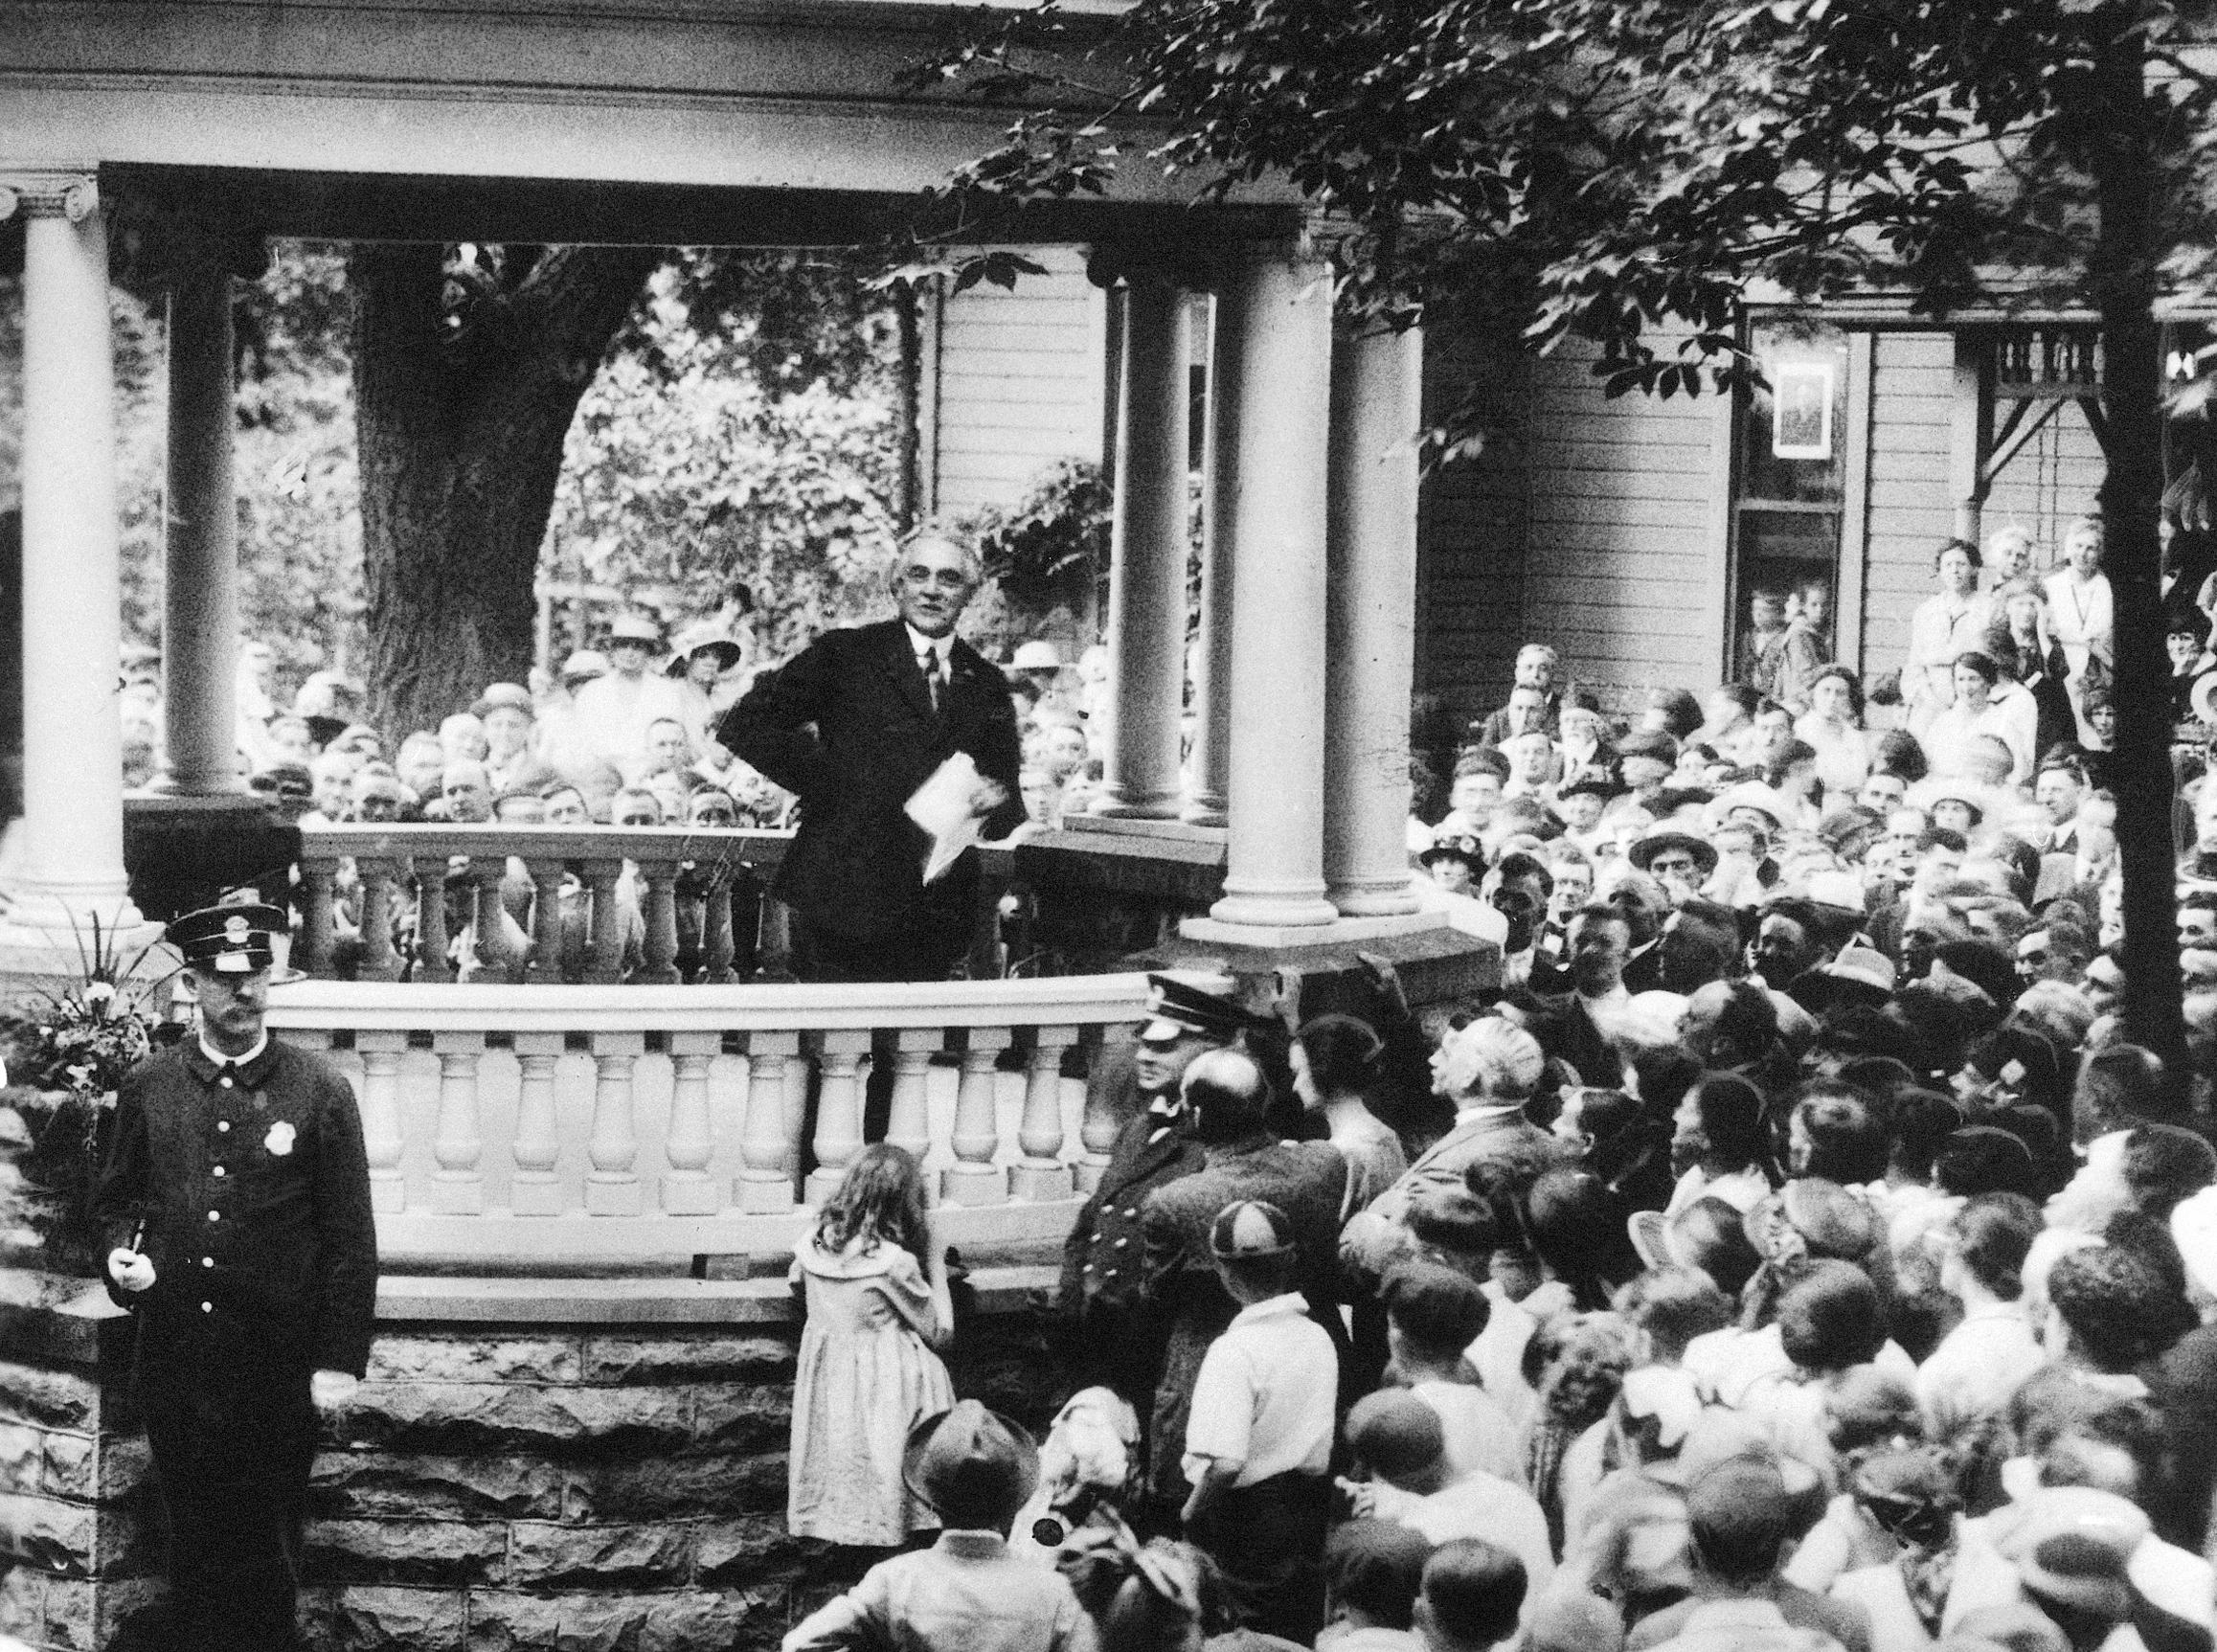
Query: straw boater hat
{"type": "Point", "coordinates": [499, 694]}
{"type": "Point", "coordinates": [1036, 656]}
{"type": "Point", "coordinates": [634, 628]}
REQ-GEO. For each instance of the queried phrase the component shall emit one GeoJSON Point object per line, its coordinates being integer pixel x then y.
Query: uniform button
{"type": "Point", "coordinates": [1131, 1212]}
{"type": "Point", "coordinates": [226, 1084]}
{"type": "Point", "coordinates": [1088, 1268]}
{"type": "Point", "coordinates": [224, 1125]}
{"type": "Point", "coordinates": [207, 1308]}
{"type": "Point", "coordinates": [216, 1216]}
{"type": "Point", "coordinates": [220, 1169]}
{"type": "Point", "coordinates": [207, 1262]}
{"type": "Point", "coordinates": [1121, 1243]}
{"type": "Point", "coordinates": [1110, 1275]}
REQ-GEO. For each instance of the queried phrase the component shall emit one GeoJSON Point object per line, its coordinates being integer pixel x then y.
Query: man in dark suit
{"type": "Point", "coordinates": [238, 1197]}
{"type": "Point", "coordinates": [1099, 1304]}
{"type": "Point", "coordinates": [1243, 1160]}
{"type": "Point", "coordinates": [852, 725]}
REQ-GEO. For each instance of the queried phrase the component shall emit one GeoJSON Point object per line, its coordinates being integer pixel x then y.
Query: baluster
{"type": "Point", "coordinates": [974, 1179]}
{"type": "Point", "coordinates": [534, 1188]}
{"type": "Point", "coordinates": [431, 938]}
{"type": "Point", "coordinates": [317, 941]}
{"type": "Point", "coordinates": [381, 1054]}
{"type": "Point", "coordinates": [612, 1187]}
{"type": "Point", "coordinates": [765, 1180]}
{"type": "Point", "coordinates": [1098, 1125]}
{"type": "Point", "coordinates": [458, 1184]}
{"type": "Point", "coordinates": [838, 1108]}
{"type": "Point", "coordinates": [498, 956]}
{"type": "Point", "coordinates": [660, 967]}
{"type": "Point", "coordinates": [379, 961]}
{"type": "Point", "coordinates": [717, 944]}
{"type": "Point", "coordinates": [774, 940]}
{"type": "Point", "coordinates": [1041, 1174]}
{"type": "Point", "coordinates": [546, 964]}
{"type": "Point", "coordinates": [798, 1074]}
{"type": "Point", "coordinates": [605, 963]}
{"type": "Point", "coordinates": [687, 1188]}
{"type": "Point", "coordinates": [907, 1123]}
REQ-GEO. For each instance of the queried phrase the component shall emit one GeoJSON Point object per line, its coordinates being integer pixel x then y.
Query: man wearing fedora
{"type": "Point", "coordinates": [236, 1195]}
{"type": "Point", "coordinates": [853, 724]}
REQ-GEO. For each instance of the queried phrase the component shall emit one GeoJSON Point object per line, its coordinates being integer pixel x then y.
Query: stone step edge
{"type": "Point", "coordinates": [412, 1296]}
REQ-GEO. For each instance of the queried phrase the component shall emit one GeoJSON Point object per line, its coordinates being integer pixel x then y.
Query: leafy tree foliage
{"type": "Point", "coordinates": [1624, 171]}
{"type": "Point", "coordinates": [741, 433]}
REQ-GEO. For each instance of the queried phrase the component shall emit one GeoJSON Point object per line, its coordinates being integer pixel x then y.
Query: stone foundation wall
{"type": "Point", "coordinates": [493, 1485]}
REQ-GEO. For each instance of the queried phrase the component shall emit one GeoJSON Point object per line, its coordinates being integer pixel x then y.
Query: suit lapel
{"type": "Point", "coordinates": [901, 665]}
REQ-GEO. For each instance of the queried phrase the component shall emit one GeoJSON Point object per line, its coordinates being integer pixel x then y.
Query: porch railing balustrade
{"type": "Point", "coordinates": [556, 1128]}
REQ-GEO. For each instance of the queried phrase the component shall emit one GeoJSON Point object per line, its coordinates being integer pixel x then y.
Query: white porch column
{"type": "Point", "coordinates": [1208, 771]}
{"type": "Point", "coordinates": [1370, 627]}
{"type": "Point", "coordinates": [200, 587]}
{"type": "Point", "coordinates": [1278, 352]}
{"type": "Point", "coordinates": [1148, 558]}
{"type": "Point", "coordinates": [73, 813]}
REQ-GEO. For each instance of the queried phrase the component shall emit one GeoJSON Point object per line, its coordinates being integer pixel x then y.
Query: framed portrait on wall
{"type": "Point", "coordinates": [1800, 410]}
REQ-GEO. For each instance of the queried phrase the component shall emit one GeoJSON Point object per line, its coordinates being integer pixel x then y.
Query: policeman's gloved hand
{"type": "Point", "coordinates": [329, 1389]}
{"type": "Point", "coordinates": [130, 1269]}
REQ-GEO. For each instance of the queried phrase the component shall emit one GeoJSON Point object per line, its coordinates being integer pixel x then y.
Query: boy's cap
{"type": "Point", "coordinates": [1250, 1229]}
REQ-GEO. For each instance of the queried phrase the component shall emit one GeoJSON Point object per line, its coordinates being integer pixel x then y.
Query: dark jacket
{"type": "Point", "coordinates": [266, 1271]}
{"type": "Point", "coordinates": [847, 726]}
{"type": "Point", "coordinates": [1100, 1258]}
{"type": "Point", "coordinates": [1306, 1180]}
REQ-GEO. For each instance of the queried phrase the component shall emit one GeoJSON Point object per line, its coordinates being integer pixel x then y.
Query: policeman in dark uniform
{"type": "Point", "coordinates": [237, 1198]}
{"type": "Point", "coordinates": [1107, 1323]}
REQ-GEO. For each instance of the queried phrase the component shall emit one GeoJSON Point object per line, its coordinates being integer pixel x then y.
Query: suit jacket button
{"type": "Point", "coordinates": [223, 1124]}
{"type": "Point", "coordinates": [207, 1308]}
{"type": "Point", "coordinates": [216, 1216]}
{"type": "Point", "coordinates": [226, 1084]}
{"type": "Point", "coordinates": [219, 1170]}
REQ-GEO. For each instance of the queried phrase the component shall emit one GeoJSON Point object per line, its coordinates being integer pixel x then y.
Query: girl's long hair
{"type": "Point", "coordinates": [881, 1200]}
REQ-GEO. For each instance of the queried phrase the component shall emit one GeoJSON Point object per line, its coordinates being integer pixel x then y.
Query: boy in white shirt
{"type": "Point", "coordinates": [1259, 1437]}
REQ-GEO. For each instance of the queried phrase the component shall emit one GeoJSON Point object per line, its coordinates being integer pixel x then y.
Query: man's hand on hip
{"type": "Point", "coordinates": [329, 1389]}
{"type": "Point", "coordinates": [130, 1269]}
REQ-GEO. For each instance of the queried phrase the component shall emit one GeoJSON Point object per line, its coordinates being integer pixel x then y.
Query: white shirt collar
{"type": "Point", "coordinates": [217, 1058]}
{"type": "Point", "coordinates": [943, 646]}
{"type": "Point", "coordinates": [1486, 1110]}
{"type": "Point", "coordinates": [1292, 1303]}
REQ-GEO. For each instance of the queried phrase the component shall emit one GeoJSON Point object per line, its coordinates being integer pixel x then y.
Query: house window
{"type": "Point", "coordinates": [1789, 479]}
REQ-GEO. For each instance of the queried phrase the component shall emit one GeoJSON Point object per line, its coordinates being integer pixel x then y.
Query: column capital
{"type": "Point", "coordinates": [74, 195]}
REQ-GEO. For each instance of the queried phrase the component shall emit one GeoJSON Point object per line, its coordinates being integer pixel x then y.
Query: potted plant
{"type": "Point", "coordinates": [67, 1052]}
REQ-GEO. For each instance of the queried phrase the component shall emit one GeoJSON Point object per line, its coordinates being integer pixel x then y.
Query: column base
{"type": "Point", "coordinates": [973, 1185]}
{"type": "Point", "coordinates": [1134, 805]}
{"type": "Point", "coordinates": [1375, 897]}
{"type": "Point", "coordinates": [217, 790]}
{"type": "Point", "coordinates": [820, 1185]}
{"type": "Point", "coordinates": [536, 1194]}
{"type": "Point", "coordinates": [689, 1193]}
{"type": "Point", "coordinates": [1087, 1173]}
{"type": "Point", "coordinates": [388, 1193]}
{"type": "Point", "coordinates": [762, 1196]}
{"type": "Point", "coordinates": [1039, 1183]}
{"type": "Point", "coordinates": [624, 1196]}
{"type": "Point", "coordinates": [1206, 809]}
{"type": "Point", "coordinates": [457, 1195]}
{"type": "Point", "coordinates": [46, 938]}
{"type": "Point", "coordinates": [1338, 931]}
{"type": "Point", "coordinates": [1164, 826]}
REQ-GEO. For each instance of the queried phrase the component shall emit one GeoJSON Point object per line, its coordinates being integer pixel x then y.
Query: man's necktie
{"type": "Point", "coordinates": [929, 660]}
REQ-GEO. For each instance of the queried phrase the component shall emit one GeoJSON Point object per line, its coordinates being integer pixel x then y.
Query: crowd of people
{"type": "Point", "coordinates": [1791, 1252]}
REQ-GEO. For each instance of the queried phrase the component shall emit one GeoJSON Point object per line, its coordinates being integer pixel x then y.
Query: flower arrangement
{"type": "Point", "coordinates": [70, 1051]}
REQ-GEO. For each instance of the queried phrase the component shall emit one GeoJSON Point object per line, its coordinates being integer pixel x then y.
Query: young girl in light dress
{"type": "Point", "coordinates": [873, 1278]}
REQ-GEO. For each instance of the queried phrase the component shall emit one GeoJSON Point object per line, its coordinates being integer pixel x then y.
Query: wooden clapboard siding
{"type": "Point", "coordinates": [1624, 555]}
{"type": "Point", "coordinates": [1911, 514]}
{"type": "Point", "coordinates": [2052, 479]}
{"type": "Point", "coordinates": [1471, 529]}
{"type": "Point", "coordinates": [1019, 383]}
